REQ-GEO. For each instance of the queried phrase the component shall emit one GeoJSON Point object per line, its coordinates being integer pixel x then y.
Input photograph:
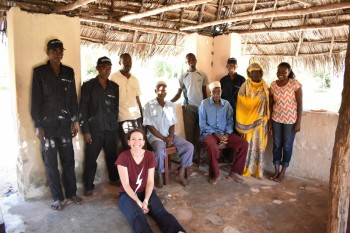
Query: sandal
{"type": "Point", "coordinates": [215, 180]}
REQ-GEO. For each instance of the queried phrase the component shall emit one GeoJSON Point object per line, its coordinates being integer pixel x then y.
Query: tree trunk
{"type": "Point", "coordinates": [339, 179]}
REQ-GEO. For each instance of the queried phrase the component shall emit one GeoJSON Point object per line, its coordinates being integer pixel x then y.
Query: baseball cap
{"type": "Point", "coordinates": [214, 85]}
{"type": "Point", "coordinates": [161, 82]}
{"type": "Point", "coordinates": [54, 44]}
{"type": "Point", "coordinates": [232, 60]}
{"type": "Point", "coordinates": [104, 60]}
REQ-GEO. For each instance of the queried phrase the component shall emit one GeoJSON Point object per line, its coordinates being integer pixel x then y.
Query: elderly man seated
{"type": "Point", "coordinates": [216, 123]}
{"type": "Point", "coordinates": [159, 117]}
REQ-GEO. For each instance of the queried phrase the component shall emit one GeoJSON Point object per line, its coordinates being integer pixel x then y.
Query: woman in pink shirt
{"type": "Point", "coordinates": [286, 109]}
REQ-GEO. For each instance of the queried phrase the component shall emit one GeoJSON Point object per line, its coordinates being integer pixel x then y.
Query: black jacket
{"type": "Point", "coordinates": [98, 107]}
{"type": "Point", "coordinates": [54, 98]}
{"type": "Point", "coordinates": [230, 89]}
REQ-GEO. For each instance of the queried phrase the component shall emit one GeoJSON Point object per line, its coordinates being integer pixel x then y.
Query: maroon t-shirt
{"type": "Point", "coordinates": [138, 173]}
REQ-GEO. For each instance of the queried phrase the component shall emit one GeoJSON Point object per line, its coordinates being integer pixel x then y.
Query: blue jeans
{"type": "Point", "coordinates": [283, 138]}
{"type": "Point", "coordinates": [167, 222]}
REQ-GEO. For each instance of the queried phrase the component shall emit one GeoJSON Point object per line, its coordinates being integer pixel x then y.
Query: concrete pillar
{"type": "Point", "coordinates": [224, 47]}
{"type": "Point", "coordinates": [28, 35]}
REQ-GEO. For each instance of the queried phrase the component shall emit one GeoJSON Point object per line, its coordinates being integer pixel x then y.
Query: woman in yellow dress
{"type": "Point", "coordinates": [252, 115]}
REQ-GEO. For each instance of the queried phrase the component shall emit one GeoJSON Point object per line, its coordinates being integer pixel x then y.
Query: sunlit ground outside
{"type": "Point", "coordinates": [8, 144]}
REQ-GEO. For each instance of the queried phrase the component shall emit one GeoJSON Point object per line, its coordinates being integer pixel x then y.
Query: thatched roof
{"type": "Point", "coordinates": [270, 29]}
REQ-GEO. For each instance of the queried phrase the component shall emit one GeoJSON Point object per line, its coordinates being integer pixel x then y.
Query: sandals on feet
{"type": "Point", "coordinates": [214, 181]}
{"type": "Point", "coordinates": [76, 200]}
{"type": "Point", "coordinates": [56, 205]}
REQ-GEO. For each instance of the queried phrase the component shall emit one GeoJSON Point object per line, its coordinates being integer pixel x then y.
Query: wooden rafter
{"type": "Point", "coordinates": [162, 9]}
{"type": "Point", "coordinates": [296, 42]}
{"type": "Point", "coordinates": [274, 8]}
{"type": "Point", "coordinates": [130, 26]}
{"type": "Point", "coordinates": [123, 42]}
{"type": "Point", "coordinates": [303, 2]}
{"type": "Point", "coordinates": [332, 44]}
{"type": "Point", "coordinates": [251, 21]}
{"type": "Point", "coordinates": [200, 16]}
{"type": "Point", "coordinates": [281, 13]}
{"type": "Point", "coordinates": [299, 43]}
{"type": "Point", "coordinates": [72, 6]}
{"type": "Point", "coordinates": [291, 29]}
{"type": "Point", "coordinates": [293, 55]}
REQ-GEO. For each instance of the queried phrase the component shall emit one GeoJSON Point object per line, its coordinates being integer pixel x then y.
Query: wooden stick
{"type": "Point", "coordinates": [162, 9]}
{"type": "Point", "coordinates": [281, 13]}
{"type": "Point", "coordinates": [72, 6]}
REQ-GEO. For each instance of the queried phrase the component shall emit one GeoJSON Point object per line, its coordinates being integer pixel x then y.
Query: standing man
{"type": "Point", "coordinates": [54, 111]}
{"type": "Point", "coordinates": [215, 122]}
{"type": "Point", "coordinates": [98, 120]}
{"type": "Point", "coordinates": [193, 84]}
{"type": "Point", "coordinates": [230, 85]}
{"type": "Point", "coordinates": [130, 108]}
{"type": "Point", "coordinates": [160, 119]}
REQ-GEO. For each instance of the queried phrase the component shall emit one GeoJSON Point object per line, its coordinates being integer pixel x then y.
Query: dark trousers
{"type": "Point", "coordinates": [105, 140]}
{"type": "Point", "coordinates": [191, 125]}
{"type": "Point", "coordinates": [283, 139]}
{"type": "Point", "coordinates": [125, 127]}
{"type": "Point", "coordinates": [137, 219]}
{"type": "Point", "coordinates": [234, 142]}
{"type": "Point", "coordinates": [59, 138]}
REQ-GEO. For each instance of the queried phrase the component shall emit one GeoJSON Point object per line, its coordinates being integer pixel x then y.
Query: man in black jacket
{"type": "Point", "coordinates": [54, 112]}
{"type": "Point", "coordinates": [98, 119]}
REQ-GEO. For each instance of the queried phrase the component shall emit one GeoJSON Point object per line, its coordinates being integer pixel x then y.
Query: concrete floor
{"type": "Point", "coordinates": [257, 206]}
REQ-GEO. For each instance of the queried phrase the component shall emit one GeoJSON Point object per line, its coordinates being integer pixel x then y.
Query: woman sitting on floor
{"type": "Point", "coordinates": [137, 197]}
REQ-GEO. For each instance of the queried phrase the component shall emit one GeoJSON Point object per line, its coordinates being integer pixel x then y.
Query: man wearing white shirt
{"type": "Point", "coordinates": [130, 108]}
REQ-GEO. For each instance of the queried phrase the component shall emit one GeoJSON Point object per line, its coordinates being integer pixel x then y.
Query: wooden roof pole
{"type": "Point", "coordinates": [281, 13]}
{"type": "Point", "coordinates": [162, 9]}
{"type": "Point", "coordinates": [200, 16]}
{"type": "Point", "coordinates": [130, 26]}
{"type": "Point", "coordinates": [274, 8]}
{"type": "Point", "coordinates": [251, 21]}
{"type": "Point", "coordinates": [303, 2]}
{"type": "Point", "coordinates": [338, 203]}
{"type": "Point", "coordinates": [299, 43]}
{"type": "Point", "coordinates": [72, 6]}
{"type": "Point", "coordinates": [291, 29]}
{"type": "Point", "coordinates": [332, 44]}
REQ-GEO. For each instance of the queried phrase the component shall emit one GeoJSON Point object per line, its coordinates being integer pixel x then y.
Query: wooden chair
{"type": "Point", "coordinates": [221, 147]}
{"type": "Point", "coordinates": [169, 151]}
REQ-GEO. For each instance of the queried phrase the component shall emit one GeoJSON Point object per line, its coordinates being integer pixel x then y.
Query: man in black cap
{"type": "Point", "coordinates": [230, 85]}
{"type": "Point", "coordinates": [99, 122]}
{"type": "Point", "coordinates": [54, 111]}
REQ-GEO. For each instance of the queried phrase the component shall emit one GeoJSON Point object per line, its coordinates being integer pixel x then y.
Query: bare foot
{"type": "Point", "coordinates": [274, 176]}
{"type": "Point", "coordinates": [56, 205]}
{"type": "Point", "coordinates": [181, 180]}
{"type": "Point", "coordinates": [76, 200]}
{"type": "Point", "coordinates": [279, 178]}
{"type": "Point", "coordinates": [88, 193]}
{"type": "Point", "coordinates": [214, 181]}
{"type": "Point", "coordinates": [234, 177]}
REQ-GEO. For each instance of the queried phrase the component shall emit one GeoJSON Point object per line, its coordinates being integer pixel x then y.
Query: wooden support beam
{"type": "Point", "coordinates": [130, 26]}
{"type": "Point", "coordinates": [291, 29]}
{"type": "Point", "coordinates": [200, 16]}
{"type": "Point", "coordinates": [293, 55]}
{"type": "Point", "coordinates": [299, 43]}
{"type": "Point", "coordinates": [251, 21]}
{"type": "Point", "coordinates": [280, 13]}
{"type": "Point", "coordinates": [332, 45]}
{"type": "Point", "coordinates": [72, 6]}
{"type": "Point", "coordinates": [274, 8]}
{"type": "Point", "coordinates": [296, 42]}
{"type": "Point", "coordinates": [123, 42]}
{"type": "Point", "coordinates": [339, 184]}
{"type": "Point", "coordinates": [162, 9]}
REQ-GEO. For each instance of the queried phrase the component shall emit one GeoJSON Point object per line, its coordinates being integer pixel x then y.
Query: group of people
{"type": "Point", "coordinates": [235, 116]}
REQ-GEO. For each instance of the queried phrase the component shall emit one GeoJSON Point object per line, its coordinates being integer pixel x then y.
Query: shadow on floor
{"type": "Point", "coordinates": [296, 205]}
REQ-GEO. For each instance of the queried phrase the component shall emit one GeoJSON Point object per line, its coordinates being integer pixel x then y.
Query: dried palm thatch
{"type": "Point", "coordinates": [310, 32]}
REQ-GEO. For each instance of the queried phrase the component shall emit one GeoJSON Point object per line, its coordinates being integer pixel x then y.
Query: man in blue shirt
{"type": "Point", "coordinates": [160, 118]}
{"type": "Point", "coordinates": [216, 128]}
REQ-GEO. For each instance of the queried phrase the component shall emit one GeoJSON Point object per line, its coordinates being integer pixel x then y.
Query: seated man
{"type": "Point", "coordinates": [160, 118]}
{"type": "Point", "coordinates": [215, 123]}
